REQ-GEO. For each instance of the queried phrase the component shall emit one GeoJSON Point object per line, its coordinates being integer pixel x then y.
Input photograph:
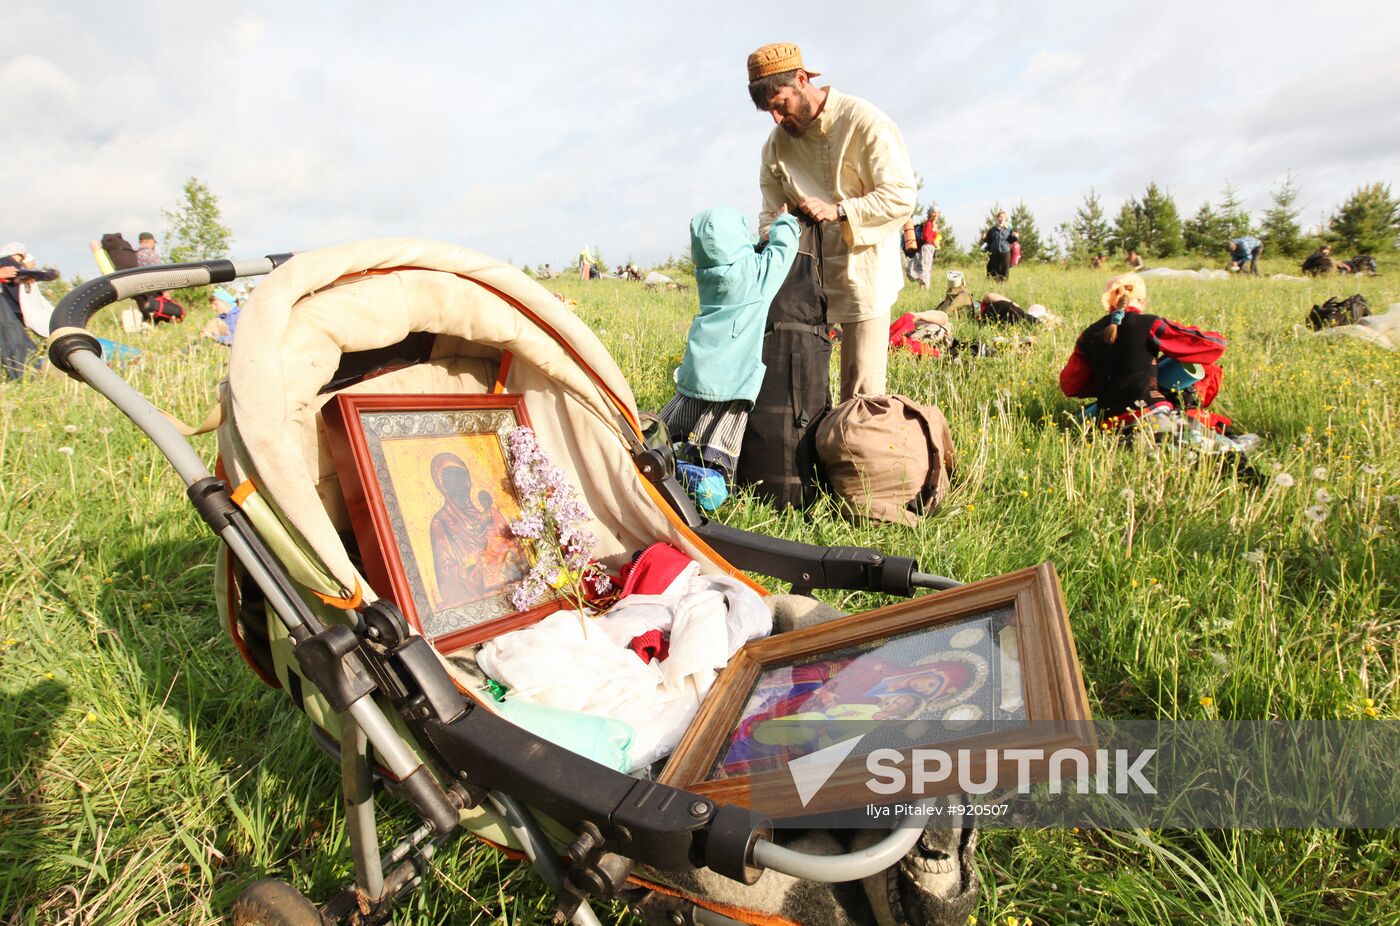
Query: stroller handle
{"type": "Point", "coordinates": [77, 308]}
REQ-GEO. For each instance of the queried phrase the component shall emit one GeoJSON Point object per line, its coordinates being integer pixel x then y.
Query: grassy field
{"type": "Point", "coordinates": [145, 775]}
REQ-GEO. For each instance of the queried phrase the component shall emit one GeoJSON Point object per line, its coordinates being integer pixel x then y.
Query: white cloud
{"type": "Point", "coordinates": [525, 131]}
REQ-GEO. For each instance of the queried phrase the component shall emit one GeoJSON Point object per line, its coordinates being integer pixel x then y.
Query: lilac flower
{"type": "Point", "coordinates": [553, 516]}
{"type": "Point", "coordinates": [528, 526]}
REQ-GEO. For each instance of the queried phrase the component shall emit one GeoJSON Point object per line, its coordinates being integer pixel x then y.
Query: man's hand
{"type": "Point", "coordinates": [8, 273]}
{"type": "Point", "coordinates": [819, 209]}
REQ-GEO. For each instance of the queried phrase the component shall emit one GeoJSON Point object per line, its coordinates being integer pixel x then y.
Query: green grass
{"type": "Point", "coordinates": [145, 775]}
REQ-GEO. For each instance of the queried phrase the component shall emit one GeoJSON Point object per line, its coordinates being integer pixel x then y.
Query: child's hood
{"type": "Point", "coordinates": [719, 237]}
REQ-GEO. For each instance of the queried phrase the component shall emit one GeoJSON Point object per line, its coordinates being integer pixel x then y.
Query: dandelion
{"type": "Point", "coordinates": [66, 451]}
{"type": "Point", "coordinates": [70, 428]}
{"type": "Point", "coordinates": [1284, 480]}
{"type": "Point", "coordinates": [1371, 712]}
{"type": "Point", "coordinates": [1317, 514]}
{"type": "Point", "coordinates": [1369, 470]}
{"type": "Point", "coordinates": [1025, 494]}
{"type": "Point", "coordinates": [1253, 556]}
{"type": "Point", "coordinates": [1219, 660]}
{"type": "Point", "coordinates": [89, 716]}
{"type": "Point", "coordinates": [1126, 495]}
{"type": "Point", "coordinates": [104, 431]}
{"type": "Point", "coordinates": [1319, 472]}
{"type": "Point", "coordinates": [1207, 701]}
{"type": "Point", "coordinates": [1322, 496]}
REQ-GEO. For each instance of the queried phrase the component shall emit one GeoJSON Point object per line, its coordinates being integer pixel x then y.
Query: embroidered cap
{"type": "Point", "coordinates": [775, 59]}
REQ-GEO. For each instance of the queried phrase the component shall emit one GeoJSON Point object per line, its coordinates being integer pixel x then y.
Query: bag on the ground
{"type": "Point", "coordinates": [1337, 311]}
{"type": "Point", "coordinates": [779, 456]}
{"type": "Point", "coordinates": [165, 309]}
{"type": "Point", "coordinates": [884, 453]}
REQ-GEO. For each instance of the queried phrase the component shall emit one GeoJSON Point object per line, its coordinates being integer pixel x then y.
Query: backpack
{"type": "Point", "coordinates": [120, 250]}
{"type": "Point", "coordinates": [165, 309]}
{"type": "Point", "coordinates": [1363, 263]}
{"type": "Point", "coordinates": [779, 456]}
{"type": "Point", "coordinates": [1336, 312]}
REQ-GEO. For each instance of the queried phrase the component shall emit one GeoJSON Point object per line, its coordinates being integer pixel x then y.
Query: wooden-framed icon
{"type": "Point", "coordinates": [987, 667]}
{"type": "Point", "coordinates": [428, 487]}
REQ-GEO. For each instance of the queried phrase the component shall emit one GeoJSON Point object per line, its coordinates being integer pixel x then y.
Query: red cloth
{"type": "Point", "coordinates": [653, 571]}
{"type": "Point", "coordinates": [1209, 419]}
{"type": "Point", "coordinates": [1077, 378]}
{"type": "Point", "coordinates": [650, 645]}
{"type": "Point", "coordinates": [900, 330]}
{"type": "Point", "coordinates": [930, 234]}
{"type": "Point", "coordinates": [1209, 385]}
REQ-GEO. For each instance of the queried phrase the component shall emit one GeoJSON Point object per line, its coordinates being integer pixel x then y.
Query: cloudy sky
{"type": "Point", "coordinates": [525, 130]}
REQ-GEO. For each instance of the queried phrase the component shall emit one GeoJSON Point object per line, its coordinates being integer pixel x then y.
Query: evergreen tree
{"type": "Point", "coordinates": [1204, 233]}
{"type": "Point", "coordinates": [1280, 230]}
{"type": "Point", "coordinates": [1234, 220]}
{"type": "Point", "coordinates": [1032, 248]}
{"type": "Point", "coordinates": [1127, 232]}
{"type": "Point", "coordinates": [1151, 225]}
{"type": "Point", "coordinates": [1367, 222]}
{"type": "Point", "coordinates": [1088, 233]}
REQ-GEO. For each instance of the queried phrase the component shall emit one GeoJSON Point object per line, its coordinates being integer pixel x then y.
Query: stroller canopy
{"type": "Point", "coordinates": [483, 322]}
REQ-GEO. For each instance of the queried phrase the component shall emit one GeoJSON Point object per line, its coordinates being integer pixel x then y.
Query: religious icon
{"type": "Point", "coordinates": [989, 664]}
{"type": "Point", "coordinates": [431, 499]}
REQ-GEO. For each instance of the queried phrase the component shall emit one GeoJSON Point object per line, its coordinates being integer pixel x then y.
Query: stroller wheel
{"type": "Point", "coordinates": [274, 903]}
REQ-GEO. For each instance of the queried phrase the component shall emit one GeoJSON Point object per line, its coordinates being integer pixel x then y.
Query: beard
{"type": "Point", "coordinates": [797, 124]}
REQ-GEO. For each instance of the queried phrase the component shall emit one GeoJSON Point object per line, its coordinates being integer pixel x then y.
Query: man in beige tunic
{"type": "Point", "coordinates": [838, 159]}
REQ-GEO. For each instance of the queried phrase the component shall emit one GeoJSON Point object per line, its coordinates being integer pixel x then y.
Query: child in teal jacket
{"type": "Point", "coordinates": [723, 367]}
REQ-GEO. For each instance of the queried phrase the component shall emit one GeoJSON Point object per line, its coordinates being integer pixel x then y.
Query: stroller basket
{"type": "Point", "coordinates": [389, 702]}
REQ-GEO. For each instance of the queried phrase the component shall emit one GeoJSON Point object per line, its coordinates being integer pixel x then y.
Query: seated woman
{"type": "Point", "coordinates": [1141, 366]}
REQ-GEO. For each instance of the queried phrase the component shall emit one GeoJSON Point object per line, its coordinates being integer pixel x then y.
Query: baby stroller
{"type": "Point", "coordinates": [409, 316]}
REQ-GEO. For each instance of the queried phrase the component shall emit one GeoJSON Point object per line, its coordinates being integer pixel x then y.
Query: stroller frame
{"type": "Point", "coordinates": [376, 666]}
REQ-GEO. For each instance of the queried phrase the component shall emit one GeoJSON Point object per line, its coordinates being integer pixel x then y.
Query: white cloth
{"type": "Point", "coordinates": [36, 309]}
{"type": "Point", "coordinates": [1205, 273]}
{"type": "Point", "coordinates": [583, 664]}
